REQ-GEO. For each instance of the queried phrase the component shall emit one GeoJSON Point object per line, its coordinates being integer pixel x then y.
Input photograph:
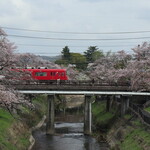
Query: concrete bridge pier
{"type": "Point", "coordinates": [108, 104]}
{"type": "Point", "coordinates": [109, 101]}
{"type": "Point", "coordinates": [50, 115]}
{"type": "Point", "coordinates": [87, 115]}
{"type": "Point", "coordinates": [124, 105]}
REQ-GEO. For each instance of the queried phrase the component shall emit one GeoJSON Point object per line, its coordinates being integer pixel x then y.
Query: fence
{"type": "Point", "coordinates": [145, 116]}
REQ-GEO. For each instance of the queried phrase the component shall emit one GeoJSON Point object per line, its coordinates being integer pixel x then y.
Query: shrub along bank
{"type": "Point", "coordinates": [15, 130]}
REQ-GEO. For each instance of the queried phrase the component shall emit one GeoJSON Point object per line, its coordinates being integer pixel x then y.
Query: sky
{"type": "Point", "coordinates": [45, 27]}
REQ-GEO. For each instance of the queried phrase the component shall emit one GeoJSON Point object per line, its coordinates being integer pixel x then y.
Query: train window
{"type": "Point", "coordinates": [41, 74]}
{"type": "Point", "coordinates": [62, 74]}
{"type": "Point", "coordinates": [53, 73]}
{"type": "Point", "coordinates": [59, 74]}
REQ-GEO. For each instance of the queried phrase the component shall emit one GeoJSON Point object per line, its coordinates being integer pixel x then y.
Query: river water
{"type": "Point", "coordinates": [68, 136]}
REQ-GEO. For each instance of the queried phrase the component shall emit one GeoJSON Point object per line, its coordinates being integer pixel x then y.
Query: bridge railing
{"type": "Point", "coordinates": [145, 116]}
{"type": "Point", "coordinates": [74, 82]}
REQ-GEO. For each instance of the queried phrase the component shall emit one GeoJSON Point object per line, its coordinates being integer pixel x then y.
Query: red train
{"type": "Point", "coordinates": [46, 74]}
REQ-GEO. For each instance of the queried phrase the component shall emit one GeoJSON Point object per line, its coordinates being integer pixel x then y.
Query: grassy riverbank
{"type": "Point", "coordinates": [103, 119]}
{"type": "Point", "coordinates": [15, 130]}
{"type": "Point", "coordinates": [147, 109]}
{"type": "Point", "coordinates": [126, 133]}
{"type": "Point", "coordinates": [129, 133]}
{"type": "Point", "coordinates": [135, 136]}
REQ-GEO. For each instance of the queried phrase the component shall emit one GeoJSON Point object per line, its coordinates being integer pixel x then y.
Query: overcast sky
{"type": "Point", "coordinates": [69, 18]}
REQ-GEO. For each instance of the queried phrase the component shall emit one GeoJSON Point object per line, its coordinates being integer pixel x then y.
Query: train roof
{"type": "Point", "coordinates": [39, 69]}
{"type": "Point", "coordinates": [46, 69]}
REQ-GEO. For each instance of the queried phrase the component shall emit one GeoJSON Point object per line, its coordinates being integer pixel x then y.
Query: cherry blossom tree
{"type": "Point", "coordinates": [8, 97]}
{"type": "Point", "coordinates": [31, 60]}
{"type": "Point", "coordinates": [122, 67]}
{"type": "Point", "coordinates": [139, 77]}
{"type": "Point", "coordinates": [142, 52]}
{"type": "Point", "coordinates": [106, 68]}
{"type": "Point", "coordinates": [72, 73]}
{"type": "Point", "coordinates": [7, 56]}
{"type": "Point", "coordinates": [140, 67]}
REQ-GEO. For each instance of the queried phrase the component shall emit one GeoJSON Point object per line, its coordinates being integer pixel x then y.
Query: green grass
{"type": "Point", "coordinates": [130, 144]}
{"type": "Point", "coordinates": [6, 140]}
{"type": "Point", "coordinates": [100, 115]}
{"type": "Point", "coordinates": [147, 109]}
{"type": "Point", "coordinates": [137, 123]}
{"type": "Point", "coordinates": [135, 137]}
{"type": "Point", "coordinates": [33, 116]}
{"type": "Point", "coordinates": [127, 116]}
{"type": "Point", "coordinates": [9, 124]}
{"type": "Point", "coordinates": [6, 121]}
{"type": "Point", "coordinates": [23, 139]}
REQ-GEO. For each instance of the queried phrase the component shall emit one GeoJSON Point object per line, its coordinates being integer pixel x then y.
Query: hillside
{"type": "Point", "coordinates": [51, 58]}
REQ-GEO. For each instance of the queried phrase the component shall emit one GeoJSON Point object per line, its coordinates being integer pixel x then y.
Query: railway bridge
{"type": "Point", "coordinates": [121, 91]}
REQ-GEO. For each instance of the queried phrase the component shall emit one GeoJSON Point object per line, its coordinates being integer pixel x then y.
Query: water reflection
{"type": "Point", "coordinates": [69, 136]}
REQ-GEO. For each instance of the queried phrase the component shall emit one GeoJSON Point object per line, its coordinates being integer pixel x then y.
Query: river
{"type": "Point", "coordinates": [68, 136]}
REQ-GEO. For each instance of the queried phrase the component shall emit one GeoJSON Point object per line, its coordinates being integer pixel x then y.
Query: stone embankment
{"type": "Point", "coordinates": [39, 125]}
